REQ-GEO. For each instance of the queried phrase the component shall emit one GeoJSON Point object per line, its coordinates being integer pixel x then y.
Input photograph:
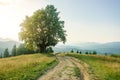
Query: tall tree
{"type": "Point", "coordinates": [6, 53]}
{"type": "Point", "coordinates": [43, 29]}
{"type": "Point", "coordinates": [1, 55]}
{"type": "Point", "coordinates": [14, 50]}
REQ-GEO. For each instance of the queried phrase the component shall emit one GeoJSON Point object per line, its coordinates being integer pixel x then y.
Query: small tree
{"type": "Point", "coordinates": [86, 52]}
{"type": "Point", "coordinates": [14, 50]}
{"type": "Point", "coordinates": [6, 53]}
{"type": "Point", "coordinates": [80, 52]}
{"type": "Point", "coordinates": [1, 55]}
{"type": "Point", "coordinates": [94, 52]}
{"type": "Point", "coordinates": [49, 50]}
{"type": "Point", "coordinates": [72, 51]}
{"type": "Point", "coordinates": [77, 51]}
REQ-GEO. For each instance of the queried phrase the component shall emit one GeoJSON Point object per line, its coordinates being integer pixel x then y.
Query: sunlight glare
{"type": "Point", "coordinates": [8, 23]}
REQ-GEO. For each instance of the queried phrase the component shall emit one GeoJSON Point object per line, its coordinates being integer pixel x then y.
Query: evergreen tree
{"type": "Point", "coordinates": [1, 55]}
{"type": "Point", "coordinates": [80, 52]}
{"type": "Point", "coordinates": [94, 52]}
{"type": "Point", "coordinates": [77, 51]}
{"type": "Point", "coordinates": [14, 50]}
{"type": "Point", "coordinates": [72, 51]}
{"type": "Point", "coordinates": [6, 53]}
{"type": "Point", "coordinates": [86, 52]}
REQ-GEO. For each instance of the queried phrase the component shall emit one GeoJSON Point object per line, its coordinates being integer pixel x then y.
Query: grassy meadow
{"type": "Point", "coordinates": [25, 67]}
{"type": "Point", "coordinates": [101, 67]}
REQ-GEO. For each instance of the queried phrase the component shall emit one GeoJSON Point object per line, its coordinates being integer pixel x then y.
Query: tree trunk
{"type": "Point", "coordinates": [42, 49]}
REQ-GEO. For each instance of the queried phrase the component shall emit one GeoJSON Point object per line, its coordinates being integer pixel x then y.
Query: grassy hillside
{"type": "Point", "coordinates": [101, 67]}
{"type": "Point", "coordinates": [25, 67]}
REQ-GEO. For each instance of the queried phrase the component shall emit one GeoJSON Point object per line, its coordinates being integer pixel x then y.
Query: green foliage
{"type": "Point", "coordinates": [77, 71]}
{"type": "Point", "coordinates": [49, 50]}
{"type": "Point", "coordinates": [94, 52]}
{"type": "Point", "coordinates": [14, 51]}
{"type": "Point", "coordinates": [72, 51]}
{"type": "Point", "coordinates": [77, 51]}
{"type": "Point", "coordinates": [23, 50]}
{"type": "Point", "coordinates": [1, 55]}
{"type": "Point", "coordinates": [43, 29]}
{"type": "Point", "coordinates": [115, 55]}
{"type": "Point", "coordinates": [6, 53]}
{"type": "Point", "coordinates": [86, 52]}
{"type": "Point", "coordinates": [80, 52]}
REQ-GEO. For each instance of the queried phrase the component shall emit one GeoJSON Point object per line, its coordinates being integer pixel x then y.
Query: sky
{"type": "Point", "coordinates": [85, 20]}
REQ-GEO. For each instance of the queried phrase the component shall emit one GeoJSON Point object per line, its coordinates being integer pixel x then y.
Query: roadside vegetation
{"type": "Point", "coordinates": [101, 67]}
{"type": "Point", "coordinates": [77, 71]}
{"type": "Point", "coordinates": [25, 67]}
{"type": "Point", "coordinates": [115, 55]}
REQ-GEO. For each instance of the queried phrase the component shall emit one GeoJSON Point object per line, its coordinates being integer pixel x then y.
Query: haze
{"type": "Point", "coordinates": [85, 20]}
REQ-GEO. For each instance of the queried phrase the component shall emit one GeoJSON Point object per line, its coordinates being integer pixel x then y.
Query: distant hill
{"type": "Point", "coordinates": [6, 43]}
{"type": "Point", "coordinates": [110, 48]}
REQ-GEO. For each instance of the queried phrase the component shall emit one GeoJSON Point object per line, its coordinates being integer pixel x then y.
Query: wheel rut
{"type": "Point", "coordinates": [65, 70]}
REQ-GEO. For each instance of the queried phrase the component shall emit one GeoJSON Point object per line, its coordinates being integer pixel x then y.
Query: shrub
{"type": "Point", "coordinates": [86, 52]}
{"type": "Point", "coordinates": [77, 51]}
{"type": "Point", "coordinates": [94, 52]}
{"type": "Point", "coordinates": [72, 51]}
{"type": "Point", "coordinates": [80, 52]}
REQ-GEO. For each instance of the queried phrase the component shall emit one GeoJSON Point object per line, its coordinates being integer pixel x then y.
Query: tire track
{"type": "Point", "coordinates": [65, 70]}
{"type": "Point", "coordinates": [84, 75]}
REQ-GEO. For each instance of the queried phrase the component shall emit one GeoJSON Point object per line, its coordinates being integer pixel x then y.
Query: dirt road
{"type": "Point", "coordinates": [65, 70]}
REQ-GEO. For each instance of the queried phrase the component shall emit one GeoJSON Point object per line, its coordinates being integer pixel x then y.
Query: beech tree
{"type": "Point", "coordinates": [43, 29]}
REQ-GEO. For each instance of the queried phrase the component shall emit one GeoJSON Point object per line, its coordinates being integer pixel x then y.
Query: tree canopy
{"type": "Point", "coordinates": [43, 29]}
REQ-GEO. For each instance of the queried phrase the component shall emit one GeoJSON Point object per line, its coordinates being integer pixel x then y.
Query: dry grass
{"type": "Point", "coordinates": [101, 67]}
{"type": "Point", "coordinates": [17, 67]}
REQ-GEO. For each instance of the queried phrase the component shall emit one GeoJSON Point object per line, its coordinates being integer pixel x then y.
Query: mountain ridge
{"type": "Point", "coordinates": [7, 43]}
{"type": "Point", "coordinates": [110, 47]}
{"type": "Point", "coordinates": [102, 48]}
